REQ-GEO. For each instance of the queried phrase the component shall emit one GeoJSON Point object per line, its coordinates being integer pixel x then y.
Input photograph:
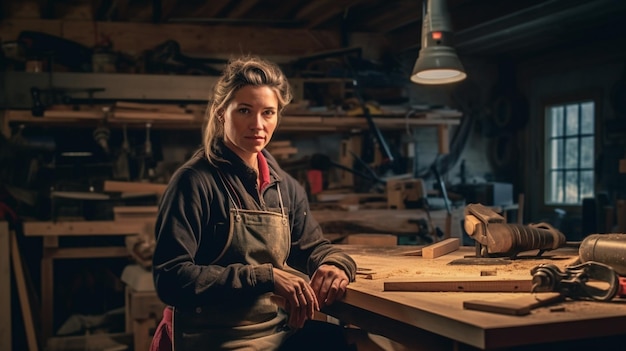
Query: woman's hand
{"type": "Point", "coordinates": [300, 300]}
{"type": "Point", "coordinates": [329, 283]}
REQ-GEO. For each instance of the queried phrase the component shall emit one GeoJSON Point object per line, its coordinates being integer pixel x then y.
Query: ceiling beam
{"type": "Point", "coordinates": [337, 8]}
{"type": "Point", "coordinates": [212, 8]}
{"type": "Point", "coordinates": [549, 18]}
{"type": "Point", "coordinates": [396, 15]}
{"type": "Point", "coordinates": [167, 8]}
{"type": "Point", "coordinates": [242, 8]}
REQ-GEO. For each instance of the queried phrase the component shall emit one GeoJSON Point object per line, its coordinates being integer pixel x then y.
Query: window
{"type": "Point", "coordinates": [569, 152]}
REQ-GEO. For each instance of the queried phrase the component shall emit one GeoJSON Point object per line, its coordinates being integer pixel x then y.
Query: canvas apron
{"type": "Point", "coordinates": [243, 323]}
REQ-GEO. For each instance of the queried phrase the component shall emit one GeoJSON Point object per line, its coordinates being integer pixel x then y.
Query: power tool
{"type": "Point", "coordinates": [494, 237]}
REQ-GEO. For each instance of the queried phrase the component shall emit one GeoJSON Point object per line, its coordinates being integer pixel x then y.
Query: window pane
{"type": "Point", "coordinates": [556, 154]}
{"type": "Point", "coordinates": [571, 187]}
{"type": "Point", "coordinates": [556, 121]}
{"type": "Point", "coordinates": [571, 153]}
{"type": "Point", "coordinates": [586, 184]}
{"type": "Point", "coordinates": [556, 188]}
{"type": "Point", "coordinates": [586, 152]}
{"type": "Point", "coordinates": [587, 125]}
{"type": "Point", "coordinates": [571, 123]}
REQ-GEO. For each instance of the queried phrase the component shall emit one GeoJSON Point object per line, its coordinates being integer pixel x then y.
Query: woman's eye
{"type": "Point", "coordinates": [270, 113]}
{"type": "Point", "coordinates": [244, 110]}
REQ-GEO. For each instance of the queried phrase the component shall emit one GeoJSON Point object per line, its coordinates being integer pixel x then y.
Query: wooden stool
{"type": "Point", "coordinates": [144, 309]}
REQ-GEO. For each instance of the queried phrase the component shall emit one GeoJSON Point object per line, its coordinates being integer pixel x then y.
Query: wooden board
{"type": "Point", "coordinates": [134, 187]}
{"type": "Point", "coordinates": [518, 306]}
{"type": "Point", "coordinates": [193, 38]}
{"type": "Point", "coordinates": [24, 295]}
{"type": "Point", "coordinates": [372, 239]}
{"type": "Point", "coordinates": [473, 284]}
{"type": "Point", "coordinates": [169, 108]}
{"type": "Point", "coordinates": [81, 228]}
{"type": "Point", "coordinates": [5, 293]}
{"type": "Point", "coordinates": [153, 116]}
{"type": "Point", "coordinates": [441, 248]}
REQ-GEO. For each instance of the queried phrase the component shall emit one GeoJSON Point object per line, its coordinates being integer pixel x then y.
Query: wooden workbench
{"type": "Point", "coordinates": [438, 321]}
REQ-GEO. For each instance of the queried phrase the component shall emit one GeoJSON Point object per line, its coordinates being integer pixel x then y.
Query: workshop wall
{"type": "Point", "coordinates": [597, 71]}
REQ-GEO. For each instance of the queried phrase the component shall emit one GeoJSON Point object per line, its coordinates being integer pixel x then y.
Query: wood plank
{"type": "Point", "coordinates": [134, 187]}
{"type": "Point", "coordinates": [372, 239]}
{"type": "Point", "coordinates": [473, 284]}
{"type": "Point", "coordinates": [80, 114]}
{"type": "Point", "coordinates": [82, 228]}
{"type": "Point", "coordinates": [87, 252]}
{"type": "Point", "coordinates": [24, 295]}
{"type": "Point", "coordinates": [47, 296]}
{"type": "Point", "coordinates": [149, 107]}
{"type": "Point", "coordinates": [133, 37]}
{"type": "Point", "coordinates": [5, 293]}
{"type": "Point", "coordinates": [518, 306]}
{"type": "Point", "coordinates": [152, 116]}
{"type": "Point", "coordinates": [441, 248]}
{"type": "Point", "coordinates": [443, 143]}
{"type": "Point", "coordinates": [126, 211]}
{"type": "Point", "coordinates": [279, 143]}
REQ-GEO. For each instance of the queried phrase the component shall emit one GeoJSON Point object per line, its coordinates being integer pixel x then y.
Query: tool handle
{"type": "Point", "coordinates": [621, 291]}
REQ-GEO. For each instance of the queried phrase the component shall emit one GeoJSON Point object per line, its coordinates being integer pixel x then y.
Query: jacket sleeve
{"type": "Point", "coordinates": [182, 223]}
{"type": "Point", "coordinates": [309, 248]}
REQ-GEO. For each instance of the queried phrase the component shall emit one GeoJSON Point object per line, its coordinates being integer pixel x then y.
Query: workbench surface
{"type": "Point", "coordinates": [430, 317]}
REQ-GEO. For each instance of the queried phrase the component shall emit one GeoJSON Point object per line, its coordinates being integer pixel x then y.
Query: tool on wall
{"type": "Point", "coordinates": [121, 166]}
{"type": "Point", "coordinates": [148, 163]}
{"type": "Point", "coordinates": [495, 237]}
{"type": "Point", "coordinates": [358, 103]}
{"type": "Point", "coordinates": [101, 136]}
{"type": "Point", "coordinates": [323, 163]}
{"type": "Point", "coordinates": [167, 57]}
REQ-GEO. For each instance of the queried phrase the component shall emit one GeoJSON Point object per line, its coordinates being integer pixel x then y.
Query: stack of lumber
{"type": "Point", "coordinates": [145, 111]}
{"type": "Point", "coordinates": [281, 149]}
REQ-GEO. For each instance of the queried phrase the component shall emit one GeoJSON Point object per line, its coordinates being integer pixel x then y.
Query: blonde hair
{"type": "Point", "coordinates": [238, 73]}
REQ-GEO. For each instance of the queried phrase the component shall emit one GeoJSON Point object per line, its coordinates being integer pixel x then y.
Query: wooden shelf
{"type": "Point", "coordinates": [189, 121]}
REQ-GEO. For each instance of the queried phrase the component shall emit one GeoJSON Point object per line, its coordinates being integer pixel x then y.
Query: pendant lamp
{"type": "Point", "coordinates": [437, 62]}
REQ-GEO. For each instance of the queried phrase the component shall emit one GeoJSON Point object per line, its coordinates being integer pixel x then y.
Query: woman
{"type": "Point", "coordinates": [235, 241]}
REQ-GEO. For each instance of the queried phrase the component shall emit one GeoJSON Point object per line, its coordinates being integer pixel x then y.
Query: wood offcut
{"type": "Point", "coordinates": [475, 284]}
{"type": "Point", "coordinates": [518, 306]}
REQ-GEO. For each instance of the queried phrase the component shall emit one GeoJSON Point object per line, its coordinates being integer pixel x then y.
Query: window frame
{"type": "Point", "coordinates": [564, 100]}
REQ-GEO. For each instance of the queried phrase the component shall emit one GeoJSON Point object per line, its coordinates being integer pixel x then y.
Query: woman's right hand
{"type": "Point", "coordinates": [300, 300]}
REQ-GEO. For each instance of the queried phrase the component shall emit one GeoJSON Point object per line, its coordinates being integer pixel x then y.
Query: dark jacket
{"type": "Point", "coordinates": [193, 223]}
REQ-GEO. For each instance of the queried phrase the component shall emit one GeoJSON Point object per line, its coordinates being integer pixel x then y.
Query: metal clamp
{"type": "Point", "coordinates": [583, 281]}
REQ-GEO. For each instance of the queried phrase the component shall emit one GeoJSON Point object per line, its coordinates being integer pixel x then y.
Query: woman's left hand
{"type": "Point", "coordinates": [329, 283]}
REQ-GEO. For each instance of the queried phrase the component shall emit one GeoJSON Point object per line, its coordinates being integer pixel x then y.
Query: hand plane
{"type": "Point", "coordinates": [495, 237]}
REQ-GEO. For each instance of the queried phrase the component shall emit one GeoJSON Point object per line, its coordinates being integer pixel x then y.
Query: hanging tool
{"type": "Point", "coordinates": [322, 162]}
{"type": "Point", "coordinates": [494, 236]}
{"type": "Point", "coordinates": [148, 164]}
{"type": "Point", "coordinates": [121, 166]}
{"type": "Point", "coordinates": [101, 136]}
{"type": "Point", "coordinates": [446, 200]}
{"type": "Point", "coordinates": [583, 281]}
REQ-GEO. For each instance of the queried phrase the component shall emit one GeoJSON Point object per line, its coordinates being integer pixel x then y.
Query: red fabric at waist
{"type": "Point", "coordinates": [162, 339]}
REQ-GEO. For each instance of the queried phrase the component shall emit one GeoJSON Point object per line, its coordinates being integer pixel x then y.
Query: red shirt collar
{"type": "Point", "coordinates": [264, 171]}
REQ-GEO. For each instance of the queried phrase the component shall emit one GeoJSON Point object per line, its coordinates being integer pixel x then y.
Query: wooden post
{"type": "Point", "coordinates": [443, 139]}
{"type": "Point", "coordinates": [24, 295]}
{"type": "Point", "coordinates": [5, 291]}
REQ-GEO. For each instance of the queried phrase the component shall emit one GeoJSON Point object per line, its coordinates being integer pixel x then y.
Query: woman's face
{"type": "Point", "coordinates": [250, 120]}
